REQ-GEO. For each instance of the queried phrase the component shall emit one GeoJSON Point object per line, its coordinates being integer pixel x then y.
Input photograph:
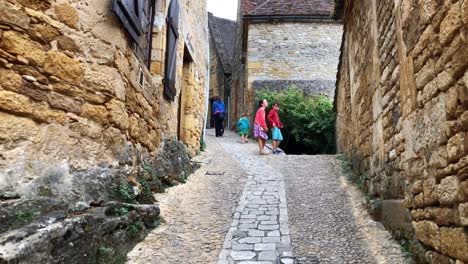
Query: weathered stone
{"type": "Point", "coordinates": [35, 4]}
{"type": "Point", "coordinates": [16, 44]}
{"type": "Point", "coordinates": [15, 103]}
{"type": "Point", "coordinates": [11, 15]}
{"type": "Point", "coordinates": [9, 80]}
{"type": "Point", "coordinates": [105, 79]}
{"type": "Point", "coordinates": [44, 114]}
{"type": "Point", "coordinates": [32, 92]}
{"type": "Point", "coordinates": [451, 23]}
{"type": "Point", "coordinates": [448, 189]}
{"type": "Point", "coordinates": [67, 14]}
{"type": "Point", "coordinates": [97, 113]}
{"type": "Point", "coordinates": [64, 67]}
{"type": "Point", "coordinates": [73, 91]}
{"type": "Point", "coordinates": [118, 114]}
{"type": "Point", "coordinates": [41, 16]}
{"type": "Point", "coordinates": [43, 33]}
{"type": "Point", "coordinates": [463, 212]}
{"type": "Point", "coordinates": [454, 242]}
{"type": "Point", "coordinates": [62, 102]}
{"type": "Point", "coordinates": [67, 43]}
{"type": "Point", "coordinates": [457, 146]}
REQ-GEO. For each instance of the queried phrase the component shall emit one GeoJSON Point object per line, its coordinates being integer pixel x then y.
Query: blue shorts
{"type": "Point", "coordinates": [276, 134]}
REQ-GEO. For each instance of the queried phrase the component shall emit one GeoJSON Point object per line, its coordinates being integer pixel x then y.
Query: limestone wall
{"type": "Point", "coordinates": [402, 102]}
{"type": "Point", "coordinates": [302, 52]}
{"type": "Point", "coordinates": [70, 97]}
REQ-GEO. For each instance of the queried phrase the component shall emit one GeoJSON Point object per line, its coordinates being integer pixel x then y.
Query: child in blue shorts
{"type": "Point", "coordinates": [276, 126]}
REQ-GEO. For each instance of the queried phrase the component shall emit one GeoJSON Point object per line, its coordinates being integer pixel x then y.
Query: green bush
{"type": "Point", "coordinates": [309, 121]}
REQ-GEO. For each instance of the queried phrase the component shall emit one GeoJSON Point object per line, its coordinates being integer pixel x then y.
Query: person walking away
{"type": "Point", "coordinates": [260, 126]}
{"type": "Point", "coordinates": [276, 126]}
{"type": "Point", "coordinates": [218, 112]}
{"type": "Point", "coordinates": [243, 126]}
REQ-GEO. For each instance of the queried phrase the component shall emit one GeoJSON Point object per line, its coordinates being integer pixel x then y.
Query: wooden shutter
{"type": "Point", "coordinates": [137, 17]}
{"type": "Point", "coordinates": [171, 50]}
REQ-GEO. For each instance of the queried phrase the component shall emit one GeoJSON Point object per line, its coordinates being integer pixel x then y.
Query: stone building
{"type": "Point", "coordinates": [284, 43]}
{"type": "Point", "coordinates": [222, 39]}
{"type": "Point", "coordinates": [402, 103]}
{"type": "Point", "coordinates": [93, 95]}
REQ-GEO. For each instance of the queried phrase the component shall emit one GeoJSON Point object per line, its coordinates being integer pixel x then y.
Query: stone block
{"type": "Point", "coordinates": [97, 113]}
{"type": "Point", "coordinates": [67, 43]}
{"type": "Point", "coordinates": [457, 146]}
{"type": "Point", "coordinates": [67, 14]}
{"type": "Point", "coordinates": [11, 102]}
{"type": "Point", "coordinates": [43, 33]}
{"type": "Point", "coordinates": [451, 23]}
{"type": "Point", "coordinates": [16, 44]}
{"type": "Point", "coordinates": [448, 189]}
{"type": "Point", "coordinates": [10, 80]}
{"type": "Point", "coordinates": [64, 67]}
{"type": "Point", "coordinates": [454, 242]}
{"type": "Point", "coordinates": [35, 4]}
{"type": "Point", "coordinates": [118, 114]}
{"type": "Point", "coordinates": [105, 79]}
{"type": "Point", "coordinates": [463, 213]}
{"type": "Point", "coordinates": [13, 16]}
{"type": "Point", "coordinates": [63, 102]}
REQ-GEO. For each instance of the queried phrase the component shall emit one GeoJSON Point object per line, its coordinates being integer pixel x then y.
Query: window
{"type": "Point", "coordinates": [137, 16]}
{"type": "Point", "coordinates": [171, 50]}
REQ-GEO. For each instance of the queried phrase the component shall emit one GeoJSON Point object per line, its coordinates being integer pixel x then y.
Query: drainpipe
{"type": "Point", "coordinates": [207, 76]}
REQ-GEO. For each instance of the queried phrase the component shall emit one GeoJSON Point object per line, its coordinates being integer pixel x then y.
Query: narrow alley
{"type": "Point", "coordinates": [240, 207]}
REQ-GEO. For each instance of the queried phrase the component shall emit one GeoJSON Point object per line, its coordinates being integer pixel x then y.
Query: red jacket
{"type": "Point", "coordinates": [260, 118]}
{"type": "Point", "coordinates": [273, 118]}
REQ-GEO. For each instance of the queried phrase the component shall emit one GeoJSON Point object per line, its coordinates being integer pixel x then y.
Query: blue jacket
{"type": "Point", "coordinates": [243, 124]}
{"type": "Point", "coordinates": [218, 106]}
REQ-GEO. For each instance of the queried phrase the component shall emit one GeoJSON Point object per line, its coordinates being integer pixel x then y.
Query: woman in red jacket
{"type": "Point", "coordinates": [260, 126]}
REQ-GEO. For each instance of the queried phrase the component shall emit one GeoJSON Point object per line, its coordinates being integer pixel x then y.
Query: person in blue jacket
{"type": "Point", "coordinates": [219, 111]}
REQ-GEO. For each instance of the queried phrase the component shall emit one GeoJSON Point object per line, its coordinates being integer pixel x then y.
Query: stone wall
{"type": "Point", "coordinates": [292, 51]}
{"type": "Point", "coordinates": [402, 102]}
{"type": "Point", "coordinates": [74, 116]}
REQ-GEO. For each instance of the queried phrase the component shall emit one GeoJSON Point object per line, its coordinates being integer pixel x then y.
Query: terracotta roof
{"type": "Point", "coordinates": [288, 7]}
{"type": "Point", "coordinates": [223, 32]}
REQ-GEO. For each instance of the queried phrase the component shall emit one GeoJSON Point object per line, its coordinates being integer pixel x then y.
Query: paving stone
{"type": "Point", "coordinates": [250, 240]}
{"type": "Point", "coordinates": [268, 255]}
{"type": "Point", "coordinates": [271, 239]}
{"type": "Point", "coordinates": [264, 246]}
{"type": "Point", "coordinates": [242, 255]}
{"type": "Point", "coordinates": [256, 233]}
{"type": "Point", "coordinates": [268, 227]}
{"type": "Point", "coordinates": [274, 234]}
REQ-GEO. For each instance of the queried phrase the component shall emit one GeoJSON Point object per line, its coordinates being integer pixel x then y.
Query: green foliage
{"type": "Point", "coordinates": [361, 180]}
{"type": "Point", "coordinates": [107, 255]}
{"type": "Point", "coordinates": [24, 216]}
{"type": "Point", "coordinates": [119, 211]}
{"type": "Point", "coordinates": [202, 145]}
{"type": "Point", "coordinates": [134, 229]}
{"type": "Point", "coordinates": [156, 223]}
{"type": "Point", "coordinates": [309, 122]}
{"type": "Point", "coordinates": [146, 196]}
{"type": "Point", "coordinates": [124, 192]}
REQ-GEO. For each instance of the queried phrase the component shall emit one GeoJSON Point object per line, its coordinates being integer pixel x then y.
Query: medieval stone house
{"type": "Point", "coordinates": [402, 118]}
{"type": "Point", "coordinates": [222, 39]}
{"type": "Point", "coordinates": [281, 44]}
{"type": "Point", "coordinates": [92, 94]}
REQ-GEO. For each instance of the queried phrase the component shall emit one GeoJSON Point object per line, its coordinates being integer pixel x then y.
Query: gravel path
{"type": "Point", "coordinates": [249, 209]}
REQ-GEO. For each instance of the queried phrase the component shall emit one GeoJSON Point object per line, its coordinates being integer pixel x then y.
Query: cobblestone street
{"type": "Point", "coordinates": [240, 207]}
